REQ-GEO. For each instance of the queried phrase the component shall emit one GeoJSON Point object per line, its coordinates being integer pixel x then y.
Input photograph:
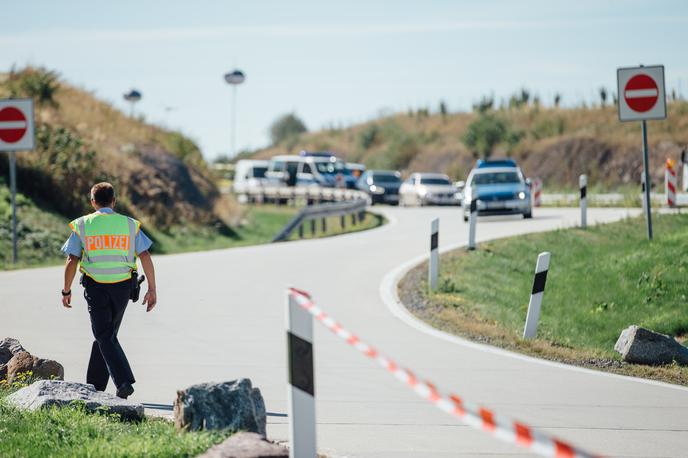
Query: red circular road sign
{"type": "Point", "coordinates": [13, 125]}
{"type": "Point", "coordinates": [641, 93]}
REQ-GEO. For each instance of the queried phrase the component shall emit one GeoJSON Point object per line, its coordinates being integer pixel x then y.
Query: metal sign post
{"type": "Point", "coordinates": [13, 199]}
{"type": "Point", "coordinates": [16, 134]}
{"type": "Point", "coordinates": [641, 98]}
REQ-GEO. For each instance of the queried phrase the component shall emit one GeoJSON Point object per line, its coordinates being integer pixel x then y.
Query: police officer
{"type": "Point", "coordinates": [105, 245]}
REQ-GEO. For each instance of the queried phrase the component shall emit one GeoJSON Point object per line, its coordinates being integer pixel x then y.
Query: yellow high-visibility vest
{"type": "Point", "coordinates": [108, 246]}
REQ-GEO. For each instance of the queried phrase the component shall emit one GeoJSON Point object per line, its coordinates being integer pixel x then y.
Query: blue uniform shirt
{"type": "Point", "coordinates": [73, 244]}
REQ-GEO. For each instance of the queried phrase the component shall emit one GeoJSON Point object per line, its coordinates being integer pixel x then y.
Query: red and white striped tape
{"type": "Point", "coordinates": [670, 182]}
{"type": "Point", "coordinates": [473, 415]}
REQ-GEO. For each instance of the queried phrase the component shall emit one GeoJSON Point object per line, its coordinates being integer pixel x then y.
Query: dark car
{"type": "Point", "coordinates": [381, 185]}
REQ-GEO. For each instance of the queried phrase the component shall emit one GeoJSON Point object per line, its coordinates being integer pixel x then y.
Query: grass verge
{"type": "Point", "coordinates": [42, 232]}
{"type": "Point", "coordinates": [72, 432]}
{"type": "Point", "coordinates": [600, 281]}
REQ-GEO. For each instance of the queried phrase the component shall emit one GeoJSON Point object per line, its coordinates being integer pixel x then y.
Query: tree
{"type": "Point", "coordinates": [603, 96]}
{"type": "Point", "coordinates": [557, 99]}
{"type": "Point", "coordinates": [485, 104]}
{"type": "Point", "coordinates": [484, 134]}
{"type": "Point", "coordinates": [285, 127]}
{"type": "Point", "coordinates": [443, 110]}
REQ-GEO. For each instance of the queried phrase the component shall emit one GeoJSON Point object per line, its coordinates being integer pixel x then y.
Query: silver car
{"type": "Point", "coordinates": [428, 189]}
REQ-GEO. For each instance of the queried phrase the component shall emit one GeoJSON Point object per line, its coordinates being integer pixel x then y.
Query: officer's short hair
{"type": "Point", "coordinates": [103, 194]}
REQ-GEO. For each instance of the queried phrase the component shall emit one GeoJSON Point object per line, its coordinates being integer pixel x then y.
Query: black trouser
{"type": "Point", "coordinates": [106, 305]}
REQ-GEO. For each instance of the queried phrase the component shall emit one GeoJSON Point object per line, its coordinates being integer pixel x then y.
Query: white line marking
{"type": "Point", "coordinates": [638, 93]}
{"type": "Point", "coordinates": [388, 293]}
{"type": "Point", "coordinates": [13, 124]}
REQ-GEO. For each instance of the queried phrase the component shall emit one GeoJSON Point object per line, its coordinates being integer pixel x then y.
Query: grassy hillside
{"type": "Point", "coordinates": [556, 144]}
{"type": "Point", "coordinates": [161, 176]}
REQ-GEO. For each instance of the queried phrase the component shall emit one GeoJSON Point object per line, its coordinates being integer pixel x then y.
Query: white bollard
{"type": "Point", "coordinates": [670, 183]}
{"type": "Point", "coordinates": [538, 290]}
{"type": "Point", "coordinates": [301, 393]}
{"type": "Point", "coordinates": [471, 224]}
{"type": "Point", "coordinates": [434, 264]}
{"type": "Point", "coordinates": [583, 184]}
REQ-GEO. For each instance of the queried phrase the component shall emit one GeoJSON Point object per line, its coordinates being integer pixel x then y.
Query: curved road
{"type": "Point", "coordinates": [221, 316]}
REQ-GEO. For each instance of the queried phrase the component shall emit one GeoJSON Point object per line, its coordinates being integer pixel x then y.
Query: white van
{"type": "Point", "coordinates": [283, 170]}
{"type": "Point", "coordinates": [249, 175]}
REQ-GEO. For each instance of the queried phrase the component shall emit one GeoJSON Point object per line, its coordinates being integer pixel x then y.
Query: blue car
{"type": "Point", "coordinates": [499, 187]}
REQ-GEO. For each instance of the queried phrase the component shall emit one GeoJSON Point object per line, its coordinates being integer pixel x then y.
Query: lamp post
{"type": "Point", "coordinates": [132, 97]}
{"type": "Point", "coordinates": [234, 78]}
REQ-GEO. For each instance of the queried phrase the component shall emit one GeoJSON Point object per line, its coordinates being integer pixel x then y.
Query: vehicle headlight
{"type": "Point", "coordinates": [377, 189]}
{"type": "Point", "coordinates": [422, 192]}
{"type": "Point", "coordinates": [521, 195]}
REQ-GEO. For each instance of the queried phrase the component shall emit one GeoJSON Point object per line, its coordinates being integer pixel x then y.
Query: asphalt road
{"type": "Point", "coordinates": [221, 316]}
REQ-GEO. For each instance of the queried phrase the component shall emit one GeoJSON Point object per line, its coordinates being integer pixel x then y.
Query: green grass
{"type": "Point", "coordinates": [72, 432]}
{"type": "Point", "coordinates": [601, 280]}
{"type": "Point", "coordinates": [42, 232]}
{"type": "Point", "coordinates": [334, 227]}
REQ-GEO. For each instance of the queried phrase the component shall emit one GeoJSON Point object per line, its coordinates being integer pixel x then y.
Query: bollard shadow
{"type": "Point", "coordinates": [170, 408]}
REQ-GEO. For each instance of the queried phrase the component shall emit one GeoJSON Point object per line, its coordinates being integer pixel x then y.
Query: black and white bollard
{"type": "Point", "coordinates": [434, 264]}
{"type": "Point", "coordinates": [535, 303]}
{"type": "Point", "coordinates": [583, 184]}
{"type": "Point", "coordinates": [472, 220]}
{"type": "Point", "coordinates": [301, 394]}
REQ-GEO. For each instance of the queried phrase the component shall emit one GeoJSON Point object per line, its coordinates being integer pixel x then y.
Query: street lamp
{"type": "Point", "coordinates": [234, 78]}
{"type": "Point", "coordinates": [132, 97]}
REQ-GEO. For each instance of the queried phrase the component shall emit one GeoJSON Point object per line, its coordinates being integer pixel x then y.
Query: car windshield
{"type": "Point", "coordinates": [259, 172]}
{"type": "Point", "coordinates": [386, 178]}
{"type": "Point", "coordinates": [496, 178]}
{"type": "Point", "coordinates": [434, 180]}
{"type": "Point", "coordinates": [329, 168]}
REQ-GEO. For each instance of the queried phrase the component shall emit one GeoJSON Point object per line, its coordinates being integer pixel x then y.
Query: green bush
{"type": "Point", "coordinates": [184, 149]}
{"type": "Point", "coordinates": [548, 128]}
{"type": "Point", "coordinates": [285, 127]}
{"type": "Point", "coordinates": [483, 134]}
{"type": "Point", "coordinates": [37, 83]}
{"type": "Point", "coordinates": [369, 137]}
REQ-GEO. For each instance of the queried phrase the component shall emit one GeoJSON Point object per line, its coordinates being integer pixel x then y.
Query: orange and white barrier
{"type": "Point", "coordinates": [473, 415]}
{"type": "Point", "coordinates": [670, 182]}
{"type": "Point", "coordinates": [536, 190]}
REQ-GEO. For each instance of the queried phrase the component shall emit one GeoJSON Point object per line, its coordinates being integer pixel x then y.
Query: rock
{"type": "Point", "coordinates": [234, 405]}
{"type": "Point", "coordinates": [46, 393]}
{"type": "Point", "coordinates": [642, 346]}
{"type": "Point", "coordinates": [8, 348]}
{"type": "Point", "coordinates": [246, 445]}
{"type": "Point", "coordinates": [40, 368]}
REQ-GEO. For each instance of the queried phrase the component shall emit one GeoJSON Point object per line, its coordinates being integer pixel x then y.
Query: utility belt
{"type": "Point", "coordinates": [134, 284]}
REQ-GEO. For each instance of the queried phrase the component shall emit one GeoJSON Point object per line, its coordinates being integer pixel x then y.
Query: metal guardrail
{"type": "Point", "coordinates": [355, 208]}
{"type": "Point", "coordinates": [309, 194]}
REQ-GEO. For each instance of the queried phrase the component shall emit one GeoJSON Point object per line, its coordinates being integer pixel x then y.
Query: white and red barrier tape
{"type": "Point", "coordinates": [536, 187]}
{"type": "Point", "coordinates": [670, 181]}
{"type": "Point", "coordinates": [473, 415]}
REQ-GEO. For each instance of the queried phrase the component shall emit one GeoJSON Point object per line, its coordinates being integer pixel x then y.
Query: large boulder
{"type": "Point", "coordinates": [642, 346]}
{"type": "Point", "coordinates": [46, 393]}
{"type": "Point", "coordinates": [40, 368]}
{"type": "Point", "coordinates": [8, 348]}
{"type": "Point", "coordinates": [234, 405]}
{"type": "Point", "coordinates": [246, 445]}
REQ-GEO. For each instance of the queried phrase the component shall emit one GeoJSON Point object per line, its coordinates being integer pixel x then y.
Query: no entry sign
{"type": "Point", "coordinates": [16, 125]}
{"type": "Point", "coordinates": [641, 93]}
